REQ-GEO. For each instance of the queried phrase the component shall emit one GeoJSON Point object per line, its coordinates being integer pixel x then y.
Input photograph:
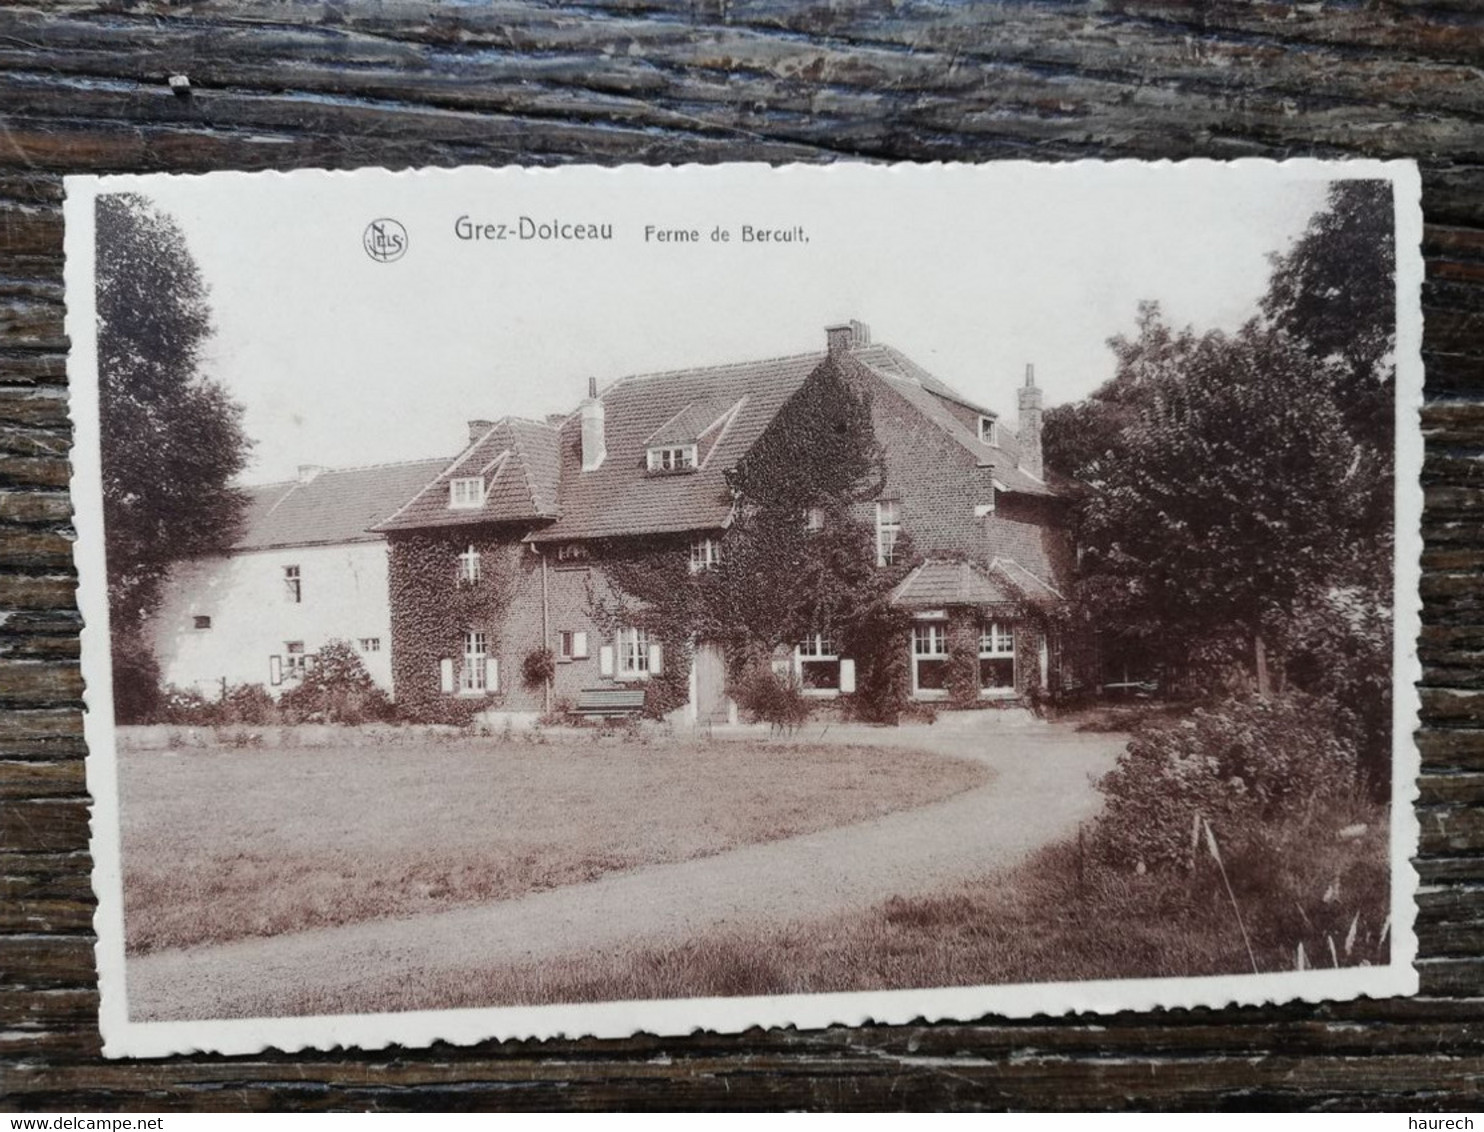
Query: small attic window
{"type": "Point", "coordinates": [466, 491]}
{"type": "Point", "coordinates": [989, 431]}
{"type": "Point", "coordinates": [672, 458]}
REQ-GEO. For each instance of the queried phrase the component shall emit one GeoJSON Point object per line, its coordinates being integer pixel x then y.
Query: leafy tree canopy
{"type": "Point", "coordinates": [172, 439]}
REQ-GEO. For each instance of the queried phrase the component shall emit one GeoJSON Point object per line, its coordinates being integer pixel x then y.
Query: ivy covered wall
{"type": "Point", "coordinates": [432, 608]}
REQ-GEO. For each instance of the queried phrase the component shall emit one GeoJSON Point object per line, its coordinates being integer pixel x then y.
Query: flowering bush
{"type": "Point", "coordinates": [1248, 767]}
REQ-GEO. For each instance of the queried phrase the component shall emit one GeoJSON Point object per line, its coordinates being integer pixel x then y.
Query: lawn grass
{"type": "Point", "coordinates": [221, 843]}
{"type": "Point", "coordinates": [1054, 918]}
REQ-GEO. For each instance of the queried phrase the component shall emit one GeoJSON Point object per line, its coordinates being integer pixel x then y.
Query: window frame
{"type": "Point", "coordinates": [472, 677]}
{"type": "Point", "coordinates": [201, 622]}
{"type": "Point", "coordinates": [631, 654]}
{"type": "Point", "coordinates": [568, 645]}
{"type": "Point", "coordinates": [997, 645]}
{"type": "Point", "coordinates": [935, 634]}
{"type": "Point", "coordinates": [469, 565]}
{"type": "Point", "coordinates": [459, 500]}
{"type": "Point", "coordinates": [705, 554]}
{"type": "Point", "coordinates": [671, 459]}
{"type": "Point", "coordinates": [295, 662]}
{"type": "Point", "coordinates": [369, 644]}
{"type": "Point", "coordinates": [293, 584]}
{"type": "Point", "coordinates": [819, 652]}
{"type": "Point", "coordinates": [886, 547]}
{"type": "Point", "coordinates": [993, 430]}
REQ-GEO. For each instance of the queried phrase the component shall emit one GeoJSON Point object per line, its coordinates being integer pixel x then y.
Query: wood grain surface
{"type": "Point", "coordinates": [282, 84]}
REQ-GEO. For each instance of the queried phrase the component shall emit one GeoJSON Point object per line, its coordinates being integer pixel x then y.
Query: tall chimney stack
{"type": "Point", "coordinates": [594, 448]}
{"type": "Point", "coordinates": [1029, 433]}
{"type": "Point", "coordinates": [846, 336]}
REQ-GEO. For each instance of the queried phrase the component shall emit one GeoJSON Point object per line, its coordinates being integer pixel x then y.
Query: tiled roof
{"type": "Point", "coordinates": [534, 471]}
{"type": "Point", "coordinates": [517, 461]}
{"type": "Point", "coordinates": [333, 507]}
{"type": "Point", "coordinates": [929, 395]}
{"type": "Point", "coordinates": [936, 583]}
{"type": "Point", "coordinates": [621, 497]}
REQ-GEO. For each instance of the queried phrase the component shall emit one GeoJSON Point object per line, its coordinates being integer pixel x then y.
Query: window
{"type": "Point", "coordinates": [705, 554]}
{"type": "Point", "coordinates": [930, 659]}
{"type": "Point", "coordinates": [989, 430]}
{"type": "Point", "coordinates": [571, 552]}
{"type": "Point", "coordinates": [202, 622]}
{"type": "Point", "coordinates": [673, 458]}
{"type": "Point", "coordinates": [996, 657]}
{"type": "Point", "coordinates": [814, 519]}
{"type": "Point", "coordinates": [295, 662]}
{"type": "Point", "coordinates": [633, 653]}
{"type": "Point", "coordinates": [469, 565]}
{"type": "Point", "coordinates": [572, 644]}
{"type": "Point", "coordinates": [819, 664]}
{"type": "Point", "coordinates": [466, 491]}
{"type": "Point", "coordinates": [293, 589]}
{"type": "Point", "coordinates": [888, 530]}
{"type": "Point", "coordinates": [472, 673]}
{"type": "Point", "coordinates": [370, 644]}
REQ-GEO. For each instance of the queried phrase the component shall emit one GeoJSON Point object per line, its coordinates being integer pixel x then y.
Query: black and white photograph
{"type": "Point", "coordinates": [585, 601]}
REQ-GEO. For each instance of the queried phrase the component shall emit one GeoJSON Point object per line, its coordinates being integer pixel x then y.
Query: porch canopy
{"type": "Point", "coordinates": [937, 584]}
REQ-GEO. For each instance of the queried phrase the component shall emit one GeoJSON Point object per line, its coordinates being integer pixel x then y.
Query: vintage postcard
{"type": "Point", "coordinates": [588, 601]}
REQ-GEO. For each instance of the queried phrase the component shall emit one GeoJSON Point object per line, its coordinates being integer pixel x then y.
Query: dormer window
{"type": "Point", "coordinates": [571, 552]}
{"type": "Point", "coordinates": [673, 458]}
{"type": "Point", "coordinates": [989, 431]}
{"type": "Point", "coordinates": [466, 491]}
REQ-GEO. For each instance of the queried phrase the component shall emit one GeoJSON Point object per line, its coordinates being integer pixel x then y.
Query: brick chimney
{"type": "Point", "coordinates": [846, 336]}
{"type": "Point", "coordinates": [594, 448]}
{"type": "Point", "coordinates": [1029, 433]}
{"type": "Point", "coordinates": [308, 473]}
{"type": "Point", "coordinates": [478, 429]}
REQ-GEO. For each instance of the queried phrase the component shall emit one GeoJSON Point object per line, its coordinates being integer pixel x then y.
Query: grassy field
{"type": "Point", "coordinates": [222, 843]}
{"type": "Point", "coordinates": [1049, 920]}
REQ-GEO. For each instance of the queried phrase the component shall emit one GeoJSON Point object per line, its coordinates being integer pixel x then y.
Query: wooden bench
{"type": "Point", "coordinates": [605, 703]}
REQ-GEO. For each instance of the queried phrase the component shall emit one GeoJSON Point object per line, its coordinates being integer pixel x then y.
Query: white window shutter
{"type": "Point", "coordinates": [275, 670]}
{"type": "Point", "coordinates": [605, 660]}
{"type": "Point", "coordinates": [847, 675]}
{"type": "Point", "coordinates": [445, 674]}
{"type": "Point", "coordinates": [656, 660]}
{"type": "Point", "coordinates": [492, 674]}
{"type": "Point", "coordinates": [579, 644]}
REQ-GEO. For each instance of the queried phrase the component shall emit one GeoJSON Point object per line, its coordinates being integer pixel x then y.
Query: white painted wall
{"type": "Point", "coordinates": [344, 596]}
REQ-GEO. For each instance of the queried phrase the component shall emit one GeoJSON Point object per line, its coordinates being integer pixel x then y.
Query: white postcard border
{"type": "Point", "coordinates": [125, 1038]}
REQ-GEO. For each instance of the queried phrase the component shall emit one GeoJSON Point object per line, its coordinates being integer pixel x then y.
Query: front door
{"type": "Point", "coordinates": [712, 705]}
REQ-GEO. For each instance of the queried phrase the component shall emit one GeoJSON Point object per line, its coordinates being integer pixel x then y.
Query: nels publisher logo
{"type": "Point", "coordinates": [385, 240]}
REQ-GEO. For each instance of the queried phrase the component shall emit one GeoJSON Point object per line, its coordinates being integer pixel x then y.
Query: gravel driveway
{"type": "Point", "coordinates": [1040, 790]}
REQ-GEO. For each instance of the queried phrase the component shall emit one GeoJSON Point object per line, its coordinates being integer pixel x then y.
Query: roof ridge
{"type": "Point", "coordinates": [632, 377]}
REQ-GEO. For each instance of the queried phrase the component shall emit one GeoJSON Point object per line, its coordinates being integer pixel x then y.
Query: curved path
{"type": "Point", "coordinates": [1040, 790]}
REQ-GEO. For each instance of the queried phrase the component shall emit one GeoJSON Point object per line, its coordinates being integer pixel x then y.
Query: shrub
{"type": "Point", "coordinates": [336, 688]}
{"type": "Point", "coordinates": [767, 697]}
{"type": "Point", "coordinates": [137, 695]}
{"type": "Point", "coordinates": [184, 706]}
{"type": "Point", "coordinates": [1247, 766]}
{"type": "Point", "coordinates": [250, 704]}
{"type": "Point", "coordinates": [539, 668]}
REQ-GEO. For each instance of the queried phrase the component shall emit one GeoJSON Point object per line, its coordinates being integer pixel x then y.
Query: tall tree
{"type": "Point", "coordinates": [1227, 498]}
{"type": "Point", "coordinates": [172, 439]}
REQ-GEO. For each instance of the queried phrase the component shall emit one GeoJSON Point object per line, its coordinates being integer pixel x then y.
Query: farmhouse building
{"type": "Point", "coordinates": [507, 564]}
{"type": "Point", "coordinates": [305, 570]}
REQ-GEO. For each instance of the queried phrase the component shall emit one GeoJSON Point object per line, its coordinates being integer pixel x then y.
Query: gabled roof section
{"type": "Point", "coordinates": [332, 508]}
{"type": "Point", "coordinates": [723, 409]}
{"type": "Point", "coordinates": [515, 458]}
{"type": "Point", "coordinates": [936, 584]}
{"type": "Point", "coordinates": [932, 398]}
